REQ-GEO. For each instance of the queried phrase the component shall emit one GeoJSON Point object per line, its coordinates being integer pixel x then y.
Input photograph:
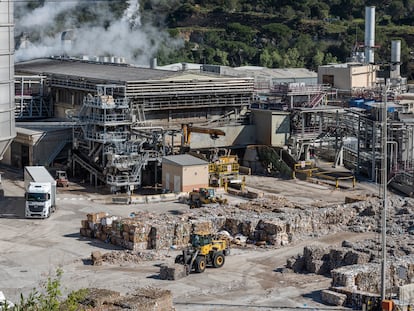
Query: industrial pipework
{"type": "Point", "coordinates": [7, 125]}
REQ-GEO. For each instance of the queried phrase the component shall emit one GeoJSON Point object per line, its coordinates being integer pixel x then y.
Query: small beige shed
{"type": "Point", "coordinates": [183, 173]}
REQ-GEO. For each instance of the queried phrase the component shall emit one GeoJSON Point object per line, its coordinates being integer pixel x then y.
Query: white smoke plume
{"type": "Point", "coordinates": [104, 35]}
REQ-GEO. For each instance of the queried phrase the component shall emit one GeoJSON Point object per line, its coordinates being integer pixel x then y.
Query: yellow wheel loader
{"type": "Point", "coordinates": [203, 252]}
{"type": "Point", "coordinates": [204, 196]}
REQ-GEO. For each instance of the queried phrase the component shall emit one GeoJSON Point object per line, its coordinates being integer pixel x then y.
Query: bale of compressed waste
{"type": "Point", "coordinates": [172, 272]}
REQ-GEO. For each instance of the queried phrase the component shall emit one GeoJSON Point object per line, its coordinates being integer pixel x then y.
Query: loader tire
{"type": "Point", "coordinates": [200, 264]}
{"type": "Point", "coordinates": [218, 260]}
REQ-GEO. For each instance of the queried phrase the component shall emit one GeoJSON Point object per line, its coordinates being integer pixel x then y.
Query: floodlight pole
{"type": "Point", "coordinates": [384, 195]}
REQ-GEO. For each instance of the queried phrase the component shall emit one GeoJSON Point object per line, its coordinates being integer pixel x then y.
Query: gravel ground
{"type": "Point", "coordinates": [33, 249]}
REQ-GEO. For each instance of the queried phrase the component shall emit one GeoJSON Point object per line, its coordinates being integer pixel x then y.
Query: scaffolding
{"type": "Point", "coordinates": [302, 95]}
{"type": "Point", "coordinates": [106, 145]}
{"type": "Point", "coordinates": [30, 99]}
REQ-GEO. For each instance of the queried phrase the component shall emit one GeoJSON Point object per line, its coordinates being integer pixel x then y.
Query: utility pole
{"type": "Point", "coordinates": [384, 183]}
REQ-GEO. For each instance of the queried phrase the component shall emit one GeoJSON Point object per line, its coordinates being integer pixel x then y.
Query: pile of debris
{"type": "Point", "coordinates": [279, 225]}
{"type": "Point", "coordinates": [322, 260]}
{"type": "Point", "coordinates": [125, 257]}
{"type": "Point", "coordinates": [135, 234]}
{"type": "Point", "coordinates": [358, 283]}
{"type": "Point", "coordinates": [143, 299]}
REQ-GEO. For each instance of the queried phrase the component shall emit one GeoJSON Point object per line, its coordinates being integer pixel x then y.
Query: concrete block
{"type": "Point", "coordinates": [138, 199]}
{"type": "Point", "coordinates": [333, 298]}
{"type": "Point", "coordinates": [153, 198]}
{"type": "Point", "coordinates": [172, 272]}
{"type": "Point", "coordinates": [167, 197]}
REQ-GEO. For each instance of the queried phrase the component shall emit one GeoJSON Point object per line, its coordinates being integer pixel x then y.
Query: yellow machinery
{"type": "Point", "coordinates": [204, 196]}
{"type": "Point", "coordinates": [187, 129]}
{"type": "Point", "coordinates": [204, 251]}
{"type": "Point", "coordinates": [225, 169]}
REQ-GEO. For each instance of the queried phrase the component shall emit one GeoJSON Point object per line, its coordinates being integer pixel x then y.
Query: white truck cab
{"type": "Point", "coordinates": [38, 200]}
{"type": "Point", "coordinates": [40, 194]}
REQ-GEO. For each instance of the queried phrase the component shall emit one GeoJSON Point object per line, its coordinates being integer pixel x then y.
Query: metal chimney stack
{"type": "Point", "coordinates": [369, 34]}
{"type": "Point", "coordinates": [395, 59]}
{"type": "Point", "coordinates": [7, 125]}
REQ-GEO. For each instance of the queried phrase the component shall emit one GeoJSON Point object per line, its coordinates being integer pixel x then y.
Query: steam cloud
{"type": "Point", "coordinates": [106, 35]}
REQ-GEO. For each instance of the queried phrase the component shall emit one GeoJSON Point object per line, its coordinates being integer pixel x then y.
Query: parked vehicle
{"type": "Point", "coordinates": [61, 179]}
{"type": "Point", "coordinates": [204, 196]}
{"type": "Point", "coordinates": [40, 194]}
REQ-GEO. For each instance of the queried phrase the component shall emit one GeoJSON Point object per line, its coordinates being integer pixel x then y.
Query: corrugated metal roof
{"type": "Point", "coordinates": [109, 72]}
{"type": "Point", "coordinates": [91, 70]}
{"type": "Point", "coordinates": [184, 160]}
{"type": "Point", "coordinates": [277, 73]}
{"type": "Point", "coordinates": [41, 173]}
{"type": "Point", "coordinates": [28, 131]}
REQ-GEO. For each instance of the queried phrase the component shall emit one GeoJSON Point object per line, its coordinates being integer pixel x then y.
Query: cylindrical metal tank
{"type": "Point", "coordinates": [153, 63]}
{"type": "Point", "coordinates": [395, 51]}
{"type": "Point", "coordinates": [369, 34]}
{"type": "Point", "coordinates": [7, 125]}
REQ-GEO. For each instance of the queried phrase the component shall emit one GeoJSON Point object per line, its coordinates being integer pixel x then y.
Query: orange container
{"type": "Point", "coordinates": [387, 305]}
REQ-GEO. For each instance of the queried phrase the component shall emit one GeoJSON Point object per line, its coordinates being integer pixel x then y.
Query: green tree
{"type": "Point", "coordinates": [330, 59]}
{"type": "Point", "coordinates": [397, 10]}
{"type": "Point", "coordinates": [292, 58]}
{"type": "Point", "coordinates": [221, 58]}
{"type": "Point", "coordinates": [317, 59]}
{"type": "Point", "coordinates": [277, 60]}
{"type": "Point", "coordinates": [240, 32]}
{"type": "Point", "coordinates": [266, 59]}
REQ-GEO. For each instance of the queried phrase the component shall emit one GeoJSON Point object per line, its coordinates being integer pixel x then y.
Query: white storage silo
{"type": "Point", "coordinates": [369, 34]}
{"type": "Point", "coordinates": [7, 125]}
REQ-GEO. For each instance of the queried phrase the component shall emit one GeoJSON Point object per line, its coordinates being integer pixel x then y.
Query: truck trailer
{"type": "Point", "coordinates": [40, 188]}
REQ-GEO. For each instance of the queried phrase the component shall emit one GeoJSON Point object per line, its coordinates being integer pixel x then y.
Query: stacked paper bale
{"type": "Point", "coordinates": [138, 235]}
{"type": "Point", "coordinates": [132, 234]}
{"type": "Point", "coordinates": [202, 226]}
{"type": "Point", "coordinates": [322, 260]}
{"type": "Point", "coordinates": [361, 277]}
{"type": "Point", "coordinates": [104, 228]}
{"type": "Point", "coordinates": [239, 226]}
{"type": "Point", "coordinates": [274, 232]}
{"type": "Point", "coordinates": [173, 272]}
{"type": "Point", "coordinates": [90, 225]}
{"type": "Point", "coordinates": [182, 232]}
{"type": "Point", "coordinates": [161, 235]}
{"type": "Point", "coordinates": [217, 222]}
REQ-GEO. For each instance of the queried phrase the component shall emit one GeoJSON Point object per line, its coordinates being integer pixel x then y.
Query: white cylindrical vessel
{"type": "Point", "coordinates": [395, 51]}
{"type": "Point", "coordinates": [369, 34]}
{"type": "Point", "coordinates": [7, 125]}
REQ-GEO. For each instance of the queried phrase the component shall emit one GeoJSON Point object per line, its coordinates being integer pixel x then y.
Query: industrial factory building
{"type": "Point", "coordinates": [127, 118]}
{"type": "Point", "coordinates": [184, 172]}
{"type": "Point", "coordinates": [348, 76]}
{"type": "Point", "coordinates": [39, 143]}
{"type": "Point", "coordinates": [122, 122]}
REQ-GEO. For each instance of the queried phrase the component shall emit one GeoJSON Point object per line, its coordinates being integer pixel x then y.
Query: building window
{"type": "Point", "coordinates": [328, 79]}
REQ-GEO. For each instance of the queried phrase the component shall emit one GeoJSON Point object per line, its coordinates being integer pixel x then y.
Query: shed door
{"type": "Point", "coordinates": [167, 181]}
{"type": "Point", "coordinates": [177, 184]}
